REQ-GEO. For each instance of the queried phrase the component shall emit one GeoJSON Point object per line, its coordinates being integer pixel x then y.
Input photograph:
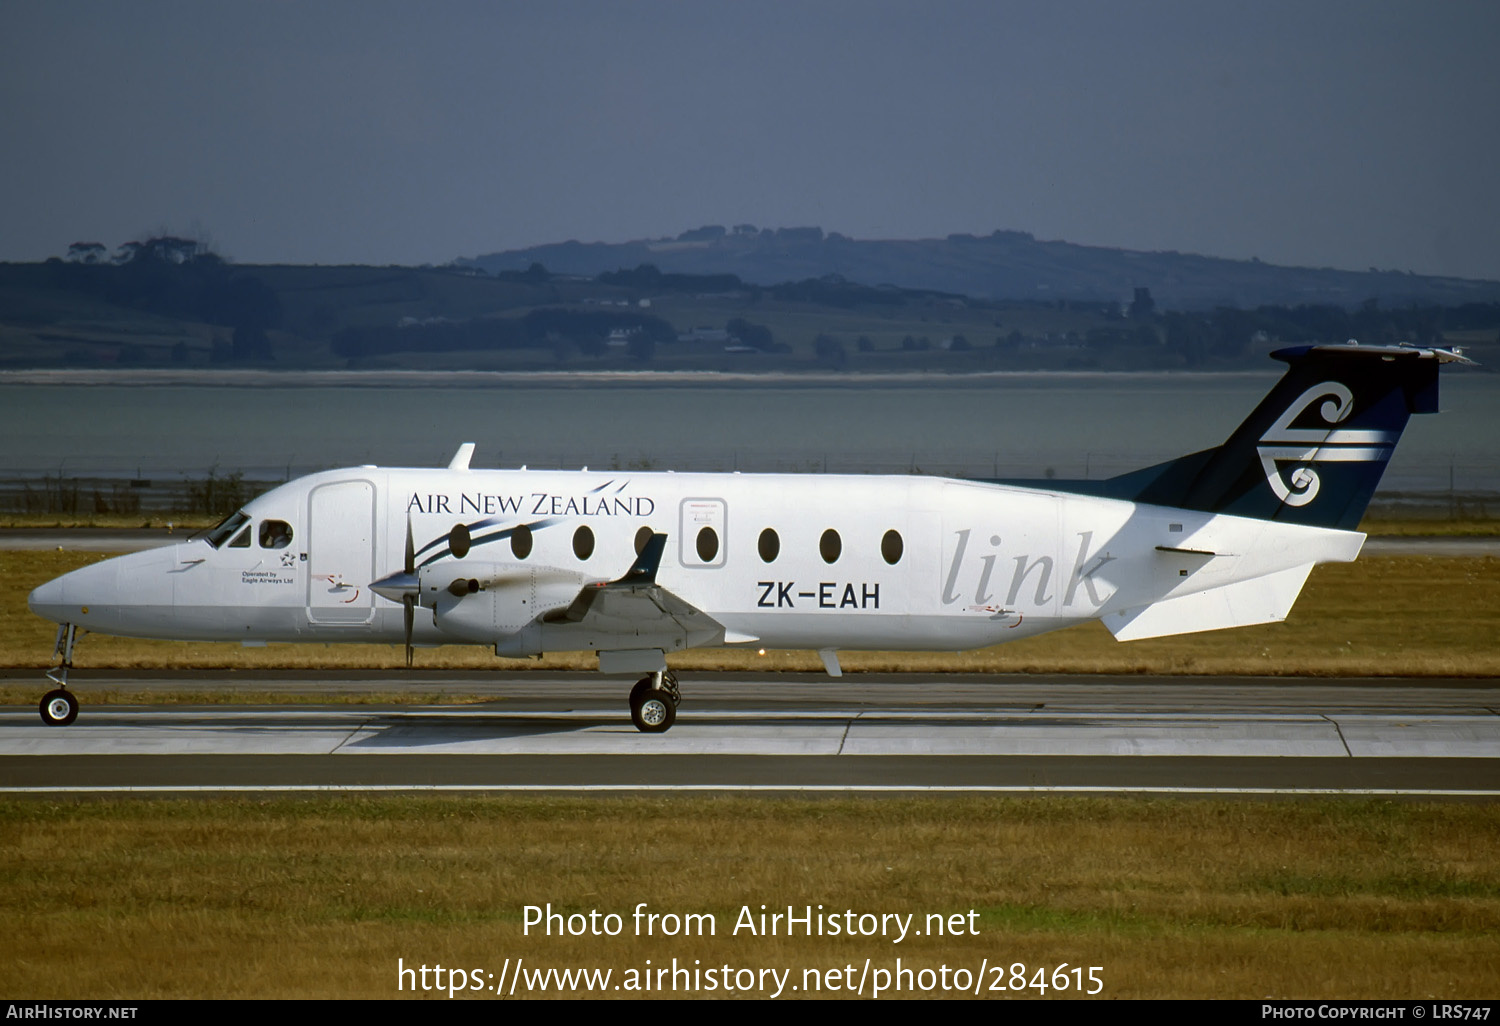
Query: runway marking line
{"type": "Point", "coordinates": [1363, 792]}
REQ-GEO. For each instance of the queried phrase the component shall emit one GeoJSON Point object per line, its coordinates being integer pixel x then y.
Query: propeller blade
{"type": "Point", "coordinates": [411, 551]}
{"type": "Point", "coordinates": [408, 604]}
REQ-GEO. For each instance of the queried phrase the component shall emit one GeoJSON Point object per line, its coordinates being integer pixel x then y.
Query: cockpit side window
{"type": "Point", "coordinates": [224, 530]}
{"type": "Point", "coordinates": [241, 540]}
{"type": "Point", "coordinates": [275, 534]}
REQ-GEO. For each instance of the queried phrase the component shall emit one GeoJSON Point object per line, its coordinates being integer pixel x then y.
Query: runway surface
{"type": "Point", "coordinates": [794, 734]}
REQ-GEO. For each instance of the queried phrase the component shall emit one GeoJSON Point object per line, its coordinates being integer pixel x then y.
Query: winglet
{"type": "Point", "coordinates": [461, 458]}
{"type": "Point", "coordinates": [643, 570]}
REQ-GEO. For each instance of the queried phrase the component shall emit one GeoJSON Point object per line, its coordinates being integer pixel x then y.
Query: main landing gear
{"type": "Point", "coordinates": [59, 708]}
{"type": "Point", "coordinates": [653, 702]}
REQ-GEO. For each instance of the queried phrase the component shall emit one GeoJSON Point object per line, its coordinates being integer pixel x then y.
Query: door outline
{"type": "Point", "coordinates": [341, 554]}
{"type": "Point", "coordinates": [693, 515]}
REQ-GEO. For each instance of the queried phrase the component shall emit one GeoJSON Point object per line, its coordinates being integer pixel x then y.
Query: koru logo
{"type": "Point", "coordinates": [1283, 443]}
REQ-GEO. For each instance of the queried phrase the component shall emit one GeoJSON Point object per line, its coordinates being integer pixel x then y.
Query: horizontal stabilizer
{"type": "Point", "coordinates": [1265, 599]}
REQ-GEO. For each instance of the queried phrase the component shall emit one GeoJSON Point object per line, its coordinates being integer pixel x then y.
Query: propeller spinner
{"type": "Point", "coordinates": [406, 587]}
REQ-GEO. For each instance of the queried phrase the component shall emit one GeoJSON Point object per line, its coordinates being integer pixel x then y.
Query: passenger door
{"type": "Point", "coordinates": [341, 553]}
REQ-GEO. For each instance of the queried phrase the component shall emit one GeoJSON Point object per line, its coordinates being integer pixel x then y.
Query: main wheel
{"type": "Point", "coordinates": [642, 688]}
{"type": "Point", "coordinates": [652, 711]}
{"type": "Point", "coordinates": [59, 708]}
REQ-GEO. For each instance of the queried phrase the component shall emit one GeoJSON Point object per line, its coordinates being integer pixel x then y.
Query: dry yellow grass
{"type": "Point", "coordinates": [1405, 616]}
{"type": "Point", "coordinates": [142, 899]}
{"type": "Point", "coordinates": [184, 523]}
{"type": "Point", "coordinates": [1440, 527]}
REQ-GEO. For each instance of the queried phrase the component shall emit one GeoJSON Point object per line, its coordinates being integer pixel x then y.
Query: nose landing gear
{"type": "Point", "coordinates": [59, 708]}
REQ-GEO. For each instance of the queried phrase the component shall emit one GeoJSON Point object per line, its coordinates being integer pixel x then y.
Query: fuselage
{"type": "Point", "coordinates": [785, 561]}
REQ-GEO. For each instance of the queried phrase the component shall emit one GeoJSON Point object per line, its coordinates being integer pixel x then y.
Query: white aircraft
{"type": "Point", "coordinates": [638, 565]}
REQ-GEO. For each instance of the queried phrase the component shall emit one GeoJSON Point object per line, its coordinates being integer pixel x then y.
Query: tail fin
{"type": "Point", "coordinates": [1314, 449]}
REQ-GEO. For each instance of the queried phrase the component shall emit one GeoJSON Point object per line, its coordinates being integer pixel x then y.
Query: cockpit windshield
{"type": "Point", "coordinates": [224, 530]}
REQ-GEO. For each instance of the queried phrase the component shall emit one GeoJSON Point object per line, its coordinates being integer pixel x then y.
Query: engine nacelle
{"type": "Point", "coordinates": [477, 600]}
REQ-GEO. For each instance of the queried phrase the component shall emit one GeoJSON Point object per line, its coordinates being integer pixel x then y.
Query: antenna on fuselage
{"type": "Point", "coordinates": [461, 458]}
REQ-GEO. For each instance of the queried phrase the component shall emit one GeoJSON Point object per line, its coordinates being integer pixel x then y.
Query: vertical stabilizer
{"type": "Point", "coordinates": [1314, 449]}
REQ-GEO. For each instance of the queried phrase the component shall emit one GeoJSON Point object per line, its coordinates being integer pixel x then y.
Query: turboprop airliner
{"type": "Point", "coordinates": [636, 566]}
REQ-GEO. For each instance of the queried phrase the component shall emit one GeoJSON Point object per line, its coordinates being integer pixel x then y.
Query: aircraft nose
{"type": "Point", "coordinates": [67, 598]}
{"type": "Point", "coordinates": [47, 600]}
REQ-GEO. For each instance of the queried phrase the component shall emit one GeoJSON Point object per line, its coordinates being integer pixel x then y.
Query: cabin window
{"type": "Point", "coordinates": [275, 534]}
{"type": "Point", "coordinates": [891, 547]}
{"type": "Point", "coordinates": [641, 538]}
{"type": "Point", "coordinates": [769, 545]}
{"type": "Point", "coordinates": [583, 542]}
{"type": "Point", "coordinates": [459, 540]}
{"type": "Point", "coordinates": [224, 530]}
{"type": "Point", "coordinates": [708, 544]}
{"type": "Point", "coordinates": [830, 546]}
{"type": "Point", "coordinates": [520, 541]}
{"type": "Point", "coordinates": [241, 540]}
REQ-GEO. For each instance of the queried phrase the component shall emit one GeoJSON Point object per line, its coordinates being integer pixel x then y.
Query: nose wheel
{"type": "Point", "coordinates": [653, 702]}
{"type": "Point", "coordinates": [59, 708]}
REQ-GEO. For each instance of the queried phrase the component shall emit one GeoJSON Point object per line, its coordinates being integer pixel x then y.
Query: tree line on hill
{"type": "Point", "coordinates": [175, 277]}
{"type": "Point", "coordinates": [183, 278]}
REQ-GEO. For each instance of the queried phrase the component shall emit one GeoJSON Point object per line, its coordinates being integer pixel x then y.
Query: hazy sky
{"type": "Point", "coordinates": [1350, 133]}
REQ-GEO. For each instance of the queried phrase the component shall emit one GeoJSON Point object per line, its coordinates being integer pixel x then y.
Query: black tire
{"type": "Point", "coordinates": [652, 711]}
{"type": "Point", "coordinates": [59, 708]}
{"type": "Point", "coordinates": [642, 686]}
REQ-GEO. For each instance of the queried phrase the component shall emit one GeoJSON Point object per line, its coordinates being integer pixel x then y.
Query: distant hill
{"type": "Point", "coordinates": [170, 302]}
{"type": "Point", "coordinates": [1000, 266]}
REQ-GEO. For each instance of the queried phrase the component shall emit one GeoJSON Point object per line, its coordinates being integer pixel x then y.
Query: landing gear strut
{"type": "Point", "coordinates": [653, 702]}
{"type": "Point", "coordinates": [59, 708]}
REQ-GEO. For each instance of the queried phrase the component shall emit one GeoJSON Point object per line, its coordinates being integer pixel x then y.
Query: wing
{"type": "Point", "coordinates": [637, 608]}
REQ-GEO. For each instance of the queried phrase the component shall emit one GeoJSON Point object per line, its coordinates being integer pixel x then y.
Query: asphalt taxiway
{"type": "Point", "coordinates": [779, 733]}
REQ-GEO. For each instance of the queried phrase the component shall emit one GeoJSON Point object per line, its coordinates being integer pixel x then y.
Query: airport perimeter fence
{"type": "Point", "coordinates": [1453, 489]}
